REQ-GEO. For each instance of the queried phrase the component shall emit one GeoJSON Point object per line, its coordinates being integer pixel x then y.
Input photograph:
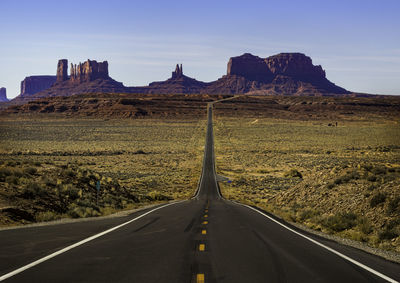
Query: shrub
{"type": "Point", "coordinates": [354, 175]}
{"type": "Point", "coordinates": [80, 211]}
{"type": "Point", "coordinates": [77, 212]}
{"type": "Point", "coordinates": [340, 221]}
{"type": "Point", "coordinates": [48, 182]}
{"type": "Point", "coordinates": [69, 173]}
{"type": "Point", "coordinates": [365, 226]}
{"type": "Point", "coordinates": [330, 185]}
{"type": "Point", "coordinates": [393, 223]}
{"type": "Point", "coordinates": [70, 191]}
{"type": "Point", "coordinates": [7, 171]}
{"type": "Point", "coordinates": [33, 190]}
{"type": "Point", "coordinates": [393, 205]}
{"type": "Point", "coordinates": [388, 234]}
{"type": "Point", "coordinates": [158, 196]}
{"type": "Point", "coordinates": [12, 180]}
{"type": "Point", "coordinates": [17, 172]}
{"type": "Point", "coordinates": [87, 203]}
{"type": "Point", "coordinates": [127, 101]}
{"type": "Point", "coordinates": [46, 216]}
{"type": "Point", "coordinates": [380, 170]}
{"type": "Point", "coordinates": [4, 172]}
{"type": "Point", "coordinates": [30, 170]}
{"type": "Point", "coordinates": [338, 181]}
{"type": "Point", "coordinates": [367, 167]}
{"type": "Point", "coordinates": [377, 199]}
{"type": "Point", "coordinates": [293, 173]}
{"type": "Point", "coordinates": [307, 214]}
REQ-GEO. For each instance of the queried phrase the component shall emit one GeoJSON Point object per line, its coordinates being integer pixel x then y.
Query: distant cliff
{"type": "Point", "coordinates": [34, 84]}
{"type": "Point", "coordinates": [283, 74]}
{"type": "Point", "coordinates": [177, 84]}
{"type": "Point", "coordinates": [3, 94]}
{"type": "Point", "coordinates": [88, 77]}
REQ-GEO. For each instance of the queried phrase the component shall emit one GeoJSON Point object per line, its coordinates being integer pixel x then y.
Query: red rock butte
{"type": "Point", "coordinates": [281, 74]}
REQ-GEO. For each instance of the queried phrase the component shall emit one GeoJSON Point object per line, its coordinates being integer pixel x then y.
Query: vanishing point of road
{"type": "Point", "coordinates": [204, 239]}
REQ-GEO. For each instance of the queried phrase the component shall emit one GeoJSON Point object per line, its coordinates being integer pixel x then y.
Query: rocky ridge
{"type": "Point", "coordinates": [281, 74]}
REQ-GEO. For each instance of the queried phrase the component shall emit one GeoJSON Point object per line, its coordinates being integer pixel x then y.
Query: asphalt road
{"type": "Point", "coordinates": [205, 239]}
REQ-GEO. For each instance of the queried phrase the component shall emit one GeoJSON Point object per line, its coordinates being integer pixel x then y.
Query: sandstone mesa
{"type": "Point", "coordinates": [281, 74]}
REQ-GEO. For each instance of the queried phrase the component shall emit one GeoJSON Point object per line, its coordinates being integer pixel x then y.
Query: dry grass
{"type": "Point", "coordinates": [137, 161]}
{"type": "Point", "coordinates": [343, 180]}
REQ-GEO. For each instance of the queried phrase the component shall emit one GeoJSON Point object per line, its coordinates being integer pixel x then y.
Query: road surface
{"type": "Point", "coordinates": [204, 239]}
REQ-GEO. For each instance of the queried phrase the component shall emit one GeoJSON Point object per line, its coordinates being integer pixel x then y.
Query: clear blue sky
{"type": "Point", "coordinates": [357, 42]}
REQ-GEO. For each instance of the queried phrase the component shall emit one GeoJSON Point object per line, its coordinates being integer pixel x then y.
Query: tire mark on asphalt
{"type": "Point", "coordinates": [189, 226]}
{"type": "Point", "coordinates": [147, 224]}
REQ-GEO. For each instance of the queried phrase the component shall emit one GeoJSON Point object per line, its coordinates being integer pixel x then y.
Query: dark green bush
{"type": "Point", "coordinates": [377, 199]}
{"type": "Point", "coordinates": [354, 175]}
{"type": "Point", "coordinates": [33, 190]}
{"type": "Point", "coordinates": [293, 173]}
{"type": "Point", "coordinates": [393, 205]}
{"type": "Point", "coordinates": [338, 181]}
{"type": "Point", "coordinates": [388, 234]}
{"type": "Point", "coordinates": [380, 170]}
{"type": "Point", "coordinates": [69, 173]}
{"type": "Point", "coordinates": [12, 180]}
{"type": "Point", "coordinates": [365, 226]}
{"type": "Point", "coordinates": [307, 214]}
{"type": "Point", "coordinates": [73, 192]}
{"type": "Point", "coordinates": [30, 170]}
{"type": "Point", "coordinates": [154, 195]}
{"type": "Point", "coordinates": [340, 221]}
{"type": "Point", "coordinates": [330, 185]}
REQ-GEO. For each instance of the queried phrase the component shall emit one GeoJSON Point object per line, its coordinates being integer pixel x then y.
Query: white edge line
{"type": "Point", "coordinates": [43, 259]}
{"type": "Point", "coordinates": [383, 276]}
{"type": "Point", "coordinates": [213, 157]}
{"type": "Point", "coordinates": [204, 160]}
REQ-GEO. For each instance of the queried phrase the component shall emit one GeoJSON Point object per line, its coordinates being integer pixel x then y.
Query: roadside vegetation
{"type": "Point", "coordinates": [49, 168]}
{"type": "Point", "coordinates": [342, 180]}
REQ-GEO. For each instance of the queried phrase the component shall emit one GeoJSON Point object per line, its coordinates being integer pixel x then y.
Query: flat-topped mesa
{"type": "Point", "coordinates": [295, 65]}
{"type": "Point", "coordinates": [249, 66]}
{"type": "Point", "coordinates": [62, 70]}
{"type": "Point", "coordinates": [178, 72]}
{"type": "Point", "coordinates": [34, 84]}
{"type": "Point", "coordinates": [284, 73]}
{"type": "Point", "coordinates": [89, 71]}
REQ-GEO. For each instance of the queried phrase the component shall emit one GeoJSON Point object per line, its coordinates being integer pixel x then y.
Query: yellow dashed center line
{"type": "Point", "coordinates": [205, 222]}
{"type": "Point", "coordinates": [204, 232]}
{"type": "Point", "coordinates": [202, 247]}
{"type": "Point", "coordinates": [205, 215]}
{"type": "Point", "coordinates": [200, 278]}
